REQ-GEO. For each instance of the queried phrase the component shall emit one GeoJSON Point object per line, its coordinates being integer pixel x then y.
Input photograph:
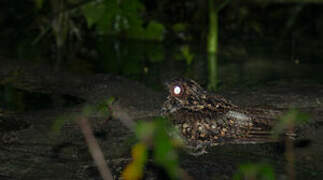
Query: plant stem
{"type": "Point", "coordinates": [94, 149]}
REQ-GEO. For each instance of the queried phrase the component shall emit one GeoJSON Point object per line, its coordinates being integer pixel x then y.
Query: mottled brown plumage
{"type": "Point", "coordinates": [205, 120]}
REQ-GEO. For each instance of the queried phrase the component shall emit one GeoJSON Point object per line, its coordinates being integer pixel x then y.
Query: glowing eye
{"type": "Point", "coordinates": [177, 90]}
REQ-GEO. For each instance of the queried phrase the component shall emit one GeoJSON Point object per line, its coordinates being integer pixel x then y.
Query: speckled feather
{"type": "Point", "coordinates": [206, 119]}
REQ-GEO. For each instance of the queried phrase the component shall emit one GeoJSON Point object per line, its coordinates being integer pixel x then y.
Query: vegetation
{"type": "Point", "coordinates": [85, 29]}
{"type": "Point", "coordinates": [153, 135]}
{"type": "Point", "coordinates": [134, 37]}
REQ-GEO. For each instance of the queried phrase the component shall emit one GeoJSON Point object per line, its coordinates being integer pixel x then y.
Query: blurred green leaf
{"type": "Point", "coordinates": [164, 153]}
{"type": "Point", "coordinates": [154, 31]}
{"type": "Point", "coordinates": [156, 54]}
{"type": "Point", "coordinates": [187, 54]}
{"type": "Point", "coordinates": [134, 170]}
{"type": "Point", "coordinates": [101, 109]}
{"type": "Point", "coordinates": [291, 119]}
{"type": "Point", "coordinates": [39, 3]}
{"type": "Point", "coordinates": [145, 131]}
{"type": "Point", "coordinates": [60, 121]}
{"type": "Point", "coordinates": [179, 27]}
{"type": "Point", "coordinates": [88, 110]}
{"type": "Point", "coordinates": [121, 18]}
{"type": "Point", "coordinates": [259, 171]}
{"type": "Point", "coordinates": [100, 14]}
{"type": "Point", "coordinates": [111, 100]}
{"type": "Point", "coordinates": [155, 134]}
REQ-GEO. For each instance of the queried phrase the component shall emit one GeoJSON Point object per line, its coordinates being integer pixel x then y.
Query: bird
{"type": "Point", "coordinates": [204, 119]}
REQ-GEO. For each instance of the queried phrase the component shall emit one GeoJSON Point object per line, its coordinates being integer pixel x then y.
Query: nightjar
{"type": "Point", "coordinates": [205, 120]}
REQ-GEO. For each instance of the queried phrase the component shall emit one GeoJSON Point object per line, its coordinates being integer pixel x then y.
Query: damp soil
{"type": "Point", "coordinates": [31, 149]}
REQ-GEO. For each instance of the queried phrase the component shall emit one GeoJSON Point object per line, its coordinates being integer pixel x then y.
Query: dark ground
{"type": "Point", "coordinates": [30, 149]}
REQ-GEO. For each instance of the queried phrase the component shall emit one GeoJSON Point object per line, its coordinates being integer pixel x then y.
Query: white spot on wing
{"type": "Point", "coordinates": [238, 115]}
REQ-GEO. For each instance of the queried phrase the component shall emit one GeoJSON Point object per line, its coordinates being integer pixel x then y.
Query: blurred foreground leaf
{"type": "Point", "coordinates": [60, 121]}
{"type": "Point", "coordinates": [39, 3]}
{"type": "Point", "coordinates": [154, 135]}
{"type": "Point", "coordinates": [290, 120]}
{"type": "Point", "coordinates": [164, 152]}
{"type": "Point", "coordinates": [101, 109]}
{"type": "Point", "coordinates": [260, 171]}
{"type": "Point", "coordinates": [134, 170]}
{"type": "Point", "coordinates": [187, 54]}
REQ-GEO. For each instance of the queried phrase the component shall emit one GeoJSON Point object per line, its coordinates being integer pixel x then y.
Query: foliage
{"type": "Point", "coordinates": [39, 3]}
{"type": "Point", "coordinates": [259, 171]}
{"type": "Point", "coordinates": [189, 56]}
{"type": "Point", "coordinates": [153, 135]}
{"type": "Point", "coordinates": [154, 31]}
{"type": "Point", "coordinates": [156, 53]}
{"type": "Point", "coordinates": [55, 20]}
{"type": "Point", "coordinates": [182, 31]}
{"type": "Point", "coordinates": [212, 42]}
{"type": "Point", "coordinates": [134, 170]}
{"type": "Point", "coordinates": [164, 153]}
{"type": "Point", "coordinates": [129, 58]}
{"type": "Point", "coordinates": [179, 27]}
{"type": "Point", "coordinates": [60, 20]}
{"type": "Point", "coordinates": [60, 121]}
{"type": "Point", "coordinates": [101, 109]}
{"type": "Point", "coordinates": [291, 119]}
{"type": "Point", "coordinates": [115, 17]}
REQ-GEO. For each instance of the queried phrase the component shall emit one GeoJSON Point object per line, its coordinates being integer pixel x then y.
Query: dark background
{"type": "Point", "coordinates": [59, 56]}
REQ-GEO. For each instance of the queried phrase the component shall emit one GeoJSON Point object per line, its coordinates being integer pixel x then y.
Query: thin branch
{"type": "Point", "coordinates": [94, 149]}
{"type": "Point", "coordinates": [119, 113]}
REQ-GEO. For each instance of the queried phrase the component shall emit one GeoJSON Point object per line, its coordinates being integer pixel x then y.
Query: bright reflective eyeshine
{"type": "Point", "coordinates": [177, 90]}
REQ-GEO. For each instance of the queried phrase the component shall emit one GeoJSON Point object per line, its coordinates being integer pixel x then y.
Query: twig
{"type": "Point", "coordinates": [94, 149]}
{"type": "Point", "coordinates": [119, 113]}
{"type": "Point", "coordinates": [290, 156]}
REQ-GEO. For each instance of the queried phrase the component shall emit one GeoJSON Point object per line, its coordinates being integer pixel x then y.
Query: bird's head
{"type": "Point", "coordinates": [184, 94]}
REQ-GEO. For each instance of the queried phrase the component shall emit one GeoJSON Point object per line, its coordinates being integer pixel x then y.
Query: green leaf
{"type": "Point", "coordinates": [39, 3]}
{"type": "Point", "coordinates": [154, 31]}
{"type": "Point", "coordinates": [156, 54]}
{"type": "Point", "coordinates": [187, 54]}
{"type": "Point", "coordinates": [179, 27]}
{"type": "Point", "coordinates": [164, 153]}
{"type": "Point", "coordinates": [135, 169]}
{"type": "Point", "coordinates": [116, 17]}
{"type": "Point", "coordinates": [60, 121]}
{"type": "Point", "coordinates": [261, 171]}
{"type": "Point", "coordinates": [101, 14]}
{"type": "Point", "coordinates": [145, 130]}
{"type": "Point", "coordinates": [291, 119]}
{"type": "Point", "coordinates": [155, 134]}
